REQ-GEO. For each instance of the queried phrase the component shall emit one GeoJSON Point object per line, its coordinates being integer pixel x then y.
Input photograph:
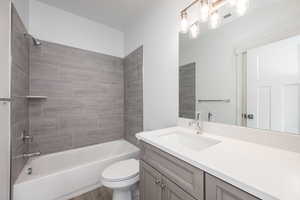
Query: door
{"type": "Point", "coordinates": [273, 86]}
{"type": "Point", "coordinates": [150, 183]}
{"type": "Point", "coordinates": [218, 190]}
{"type": "Point", "coordinates": [172, 192]}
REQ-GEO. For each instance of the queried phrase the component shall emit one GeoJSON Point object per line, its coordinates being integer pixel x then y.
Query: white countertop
{"type": "Point", "coordinates": [265, 172]}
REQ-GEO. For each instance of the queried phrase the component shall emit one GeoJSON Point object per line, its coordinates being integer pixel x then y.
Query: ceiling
{"type": "Point", "coordinates": [117, 14]}
{"type": "Point", "coordinates": [114, 13]}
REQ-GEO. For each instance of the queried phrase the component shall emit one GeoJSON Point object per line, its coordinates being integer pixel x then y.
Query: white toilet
{"type": "Point", "coordinates": [121, 177]}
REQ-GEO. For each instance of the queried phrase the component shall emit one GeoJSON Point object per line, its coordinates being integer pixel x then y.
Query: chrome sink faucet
{"type": "Point", "coordinates": [197, 123]}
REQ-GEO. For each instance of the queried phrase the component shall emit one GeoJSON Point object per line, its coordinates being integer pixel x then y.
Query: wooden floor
{"type": "Point", "coordinates": [102, 193]}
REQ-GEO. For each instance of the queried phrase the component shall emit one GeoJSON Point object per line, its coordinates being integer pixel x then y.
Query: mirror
{"type": "Point", "coordinates": [246, 72]}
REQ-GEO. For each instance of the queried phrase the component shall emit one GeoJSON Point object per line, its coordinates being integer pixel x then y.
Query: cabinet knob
{"type": "Point", "coordinates": [163, 186]}
{"type": "Point", "coordinates": [157, 181]}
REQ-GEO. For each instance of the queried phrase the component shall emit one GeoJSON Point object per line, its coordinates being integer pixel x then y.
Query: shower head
{"type": "Point", "coordinates": [34, 40]}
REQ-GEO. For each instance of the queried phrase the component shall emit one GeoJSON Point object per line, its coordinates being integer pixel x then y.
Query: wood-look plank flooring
{"type": "Point", "coordinates": [103, 193]}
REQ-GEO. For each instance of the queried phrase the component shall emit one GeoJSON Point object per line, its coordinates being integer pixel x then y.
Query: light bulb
{"type": "Point", "coordinates": [194, 30]}
{"type": "Point", "coordinates": [242, 6]}
{"type": "Point", "coordinates": [214, 20]}
{"type": "Point", "coordinates": [232, 2]}
{"type": "Point", "coordinates": [184, 25]}
{"type": "Point", "coordinates": [204, 11]}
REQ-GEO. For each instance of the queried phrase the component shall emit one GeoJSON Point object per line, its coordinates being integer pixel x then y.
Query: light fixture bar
{"type": "Point", "coordinates": [209, 11]}
{"type": "Point", "coordinates": [189, 6]}
{"type": "Point", "coordinates": [215, 5]}
{"type": "Point", "coordinates": [218, 4]}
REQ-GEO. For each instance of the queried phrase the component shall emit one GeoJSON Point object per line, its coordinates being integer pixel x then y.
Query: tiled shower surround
{"type": "Point", "coordinates": [133, 83]}
{"type": "Point", "coordinates": [85, 102]}
{"type": "Point", "coordinates": [19, 90]}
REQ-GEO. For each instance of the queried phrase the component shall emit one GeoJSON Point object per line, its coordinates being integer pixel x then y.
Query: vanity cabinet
{"type": "Point", "coordinates": [165, 177]}
{"type": "Point", "coordinates": [150, 183]}
{"type": "Point", "coordinates": [187, 177]}
{"type": "Point", "coordinates": [154, 186]}
{"type": "Point", "coordinates": [217, 189]}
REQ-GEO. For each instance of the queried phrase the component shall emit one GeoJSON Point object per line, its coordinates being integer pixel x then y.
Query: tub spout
{"type": "Point", "coordinates": [29, 155]}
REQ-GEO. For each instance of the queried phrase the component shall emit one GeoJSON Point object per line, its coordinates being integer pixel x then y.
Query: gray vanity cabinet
{"type": "Point", "coordinates": [187, 177]}
{"type": "Point", "coordinates": [154, 186]}
{"type": "Point", "coordinates": [217, 189]}
{"type": "Point", "coordinates": [150, 183]}
{"type": "Point", "coordinates": [165, 177]}
{"type": "Point", "coordinates": [172, 192]}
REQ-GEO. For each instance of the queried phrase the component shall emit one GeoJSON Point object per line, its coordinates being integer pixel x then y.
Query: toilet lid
{"type": "Point", "coordinates": [122, 170]}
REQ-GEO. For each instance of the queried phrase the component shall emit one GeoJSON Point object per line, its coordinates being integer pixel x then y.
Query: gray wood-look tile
{"type": "Point", "coordinates": [187, 91]}
{"type": "Point", "coordinates": [19, 89]}
{"type": "Point", "coordinates": [103, 193]}
{"type": "Point", "coordinates": [133, 86]}
{"type": "Point", "coordinates": [85, 93]}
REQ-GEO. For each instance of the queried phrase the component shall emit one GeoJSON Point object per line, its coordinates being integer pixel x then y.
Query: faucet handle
{"type": "Point", "coordinates": [26, 138]}
{"type": "Point", "coordinates": [198, 116]}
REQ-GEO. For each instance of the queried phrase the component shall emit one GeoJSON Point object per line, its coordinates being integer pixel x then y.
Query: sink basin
{"type": "Point", "coordinates": [186, 141]}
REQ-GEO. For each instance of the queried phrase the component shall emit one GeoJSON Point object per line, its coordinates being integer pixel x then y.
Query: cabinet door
{"type": "Point", "coordinates": [219, 190]}
{"type": "Point", "coordinates": [150, 183]}
{"type": "Point", "coordinates": [173, 192]}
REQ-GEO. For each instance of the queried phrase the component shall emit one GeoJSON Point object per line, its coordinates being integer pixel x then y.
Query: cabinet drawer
{"type": "Point", "coordinates": [184, 175]}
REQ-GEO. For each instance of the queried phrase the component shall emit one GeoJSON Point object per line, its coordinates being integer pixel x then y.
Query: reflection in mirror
{"type": "Point", "coordinates": [187, 91]}
{"type": "Point", "coordinates": [247, 70]}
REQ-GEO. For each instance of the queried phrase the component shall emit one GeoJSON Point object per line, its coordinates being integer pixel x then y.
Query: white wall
{"type": "Point", "coordinates": [55, 25]}
{"type": "Point", "coordinates": [214, 53]}
{"type": "Point", "coordinates": [4, 93]}
{"type": "Point", "coordinates": [22, 7]}
{"type": "Point", "coordinates": [157, 30]}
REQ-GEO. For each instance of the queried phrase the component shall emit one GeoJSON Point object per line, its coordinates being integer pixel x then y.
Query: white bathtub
{"type": "Point", "coordinates": [64, 175]}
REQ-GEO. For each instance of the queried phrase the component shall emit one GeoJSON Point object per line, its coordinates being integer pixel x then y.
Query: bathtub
{"type": "Point", "coordinates": [64, 175]}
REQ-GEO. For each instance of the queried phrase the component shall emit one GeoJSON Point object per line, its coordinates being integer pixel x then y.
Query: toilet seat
{"type": "Point", "coordinates": [121, 171]}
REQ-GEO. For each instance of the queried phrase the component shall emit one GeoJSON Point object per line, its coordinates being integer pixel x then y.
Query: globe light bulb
{"type": "Point", "coordinates": [184, 25]}
{"type": "Point", "coordinates": [204, 11]}
{"type": "Point", "coordinates": [214, 20]}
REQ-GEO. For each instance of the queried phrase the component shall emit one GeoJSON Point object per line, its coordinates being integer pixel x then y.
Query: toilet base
{"type": "Point", "coordinates": [122, 194]}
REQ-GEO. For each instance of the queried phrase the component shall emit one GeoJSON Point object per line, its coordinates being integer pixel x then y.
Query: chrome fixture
{"type": "Point", "coordinates": [214, 100]}
{"type": "Point", "coordinates": [26, 138]}
{"type": "Point", "coordinates": [209, 11]}
{"type": "Point", "coordinates": [29, 155]}
{"type": "Point", "coordinates": [209, 116]}
{"type": "Point", "coordinates": [5, 99]}
{"type": "Point", "coordinates": [34, 40]}
{"type": "Point", "coordinates": [29, 170]}
{"type": "Point", "coordinates": [197, 123]}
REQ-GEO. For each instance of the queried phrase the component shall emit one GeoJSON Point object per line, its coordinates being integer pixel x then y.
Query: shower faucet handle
{"type": "Point", "coordinates": [26, 138]}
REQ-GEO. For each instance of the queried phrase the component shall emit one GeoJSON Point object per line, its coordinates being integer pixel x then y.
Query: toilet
{"type": "Point", "coordinates": [121, 177]}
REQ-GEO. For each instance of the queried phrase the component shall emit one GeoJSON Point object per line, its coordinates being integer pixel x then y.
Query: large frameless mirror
{"type": "Point", "coordinates": [245, 71]}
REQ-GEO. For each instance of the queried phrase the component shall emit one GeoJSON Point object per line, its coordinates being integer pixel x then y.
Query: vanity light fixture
{"type": "Point", "coordinates": [184, 26]}
{"type": "Point", "coordinates": [209, 10]}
